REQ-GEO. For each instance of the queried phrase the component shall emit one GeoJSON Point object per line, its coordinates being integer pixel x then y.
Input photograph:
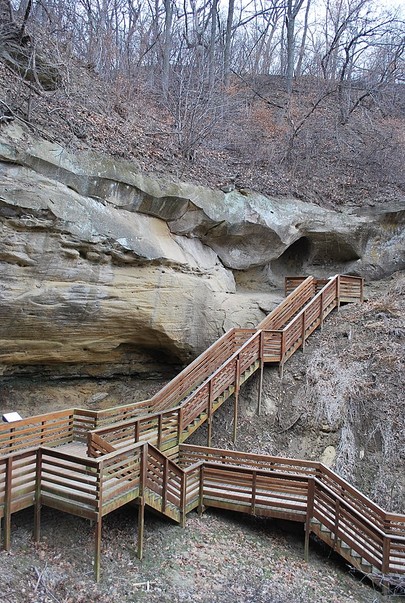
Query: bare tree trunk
{"type": "Point", "coordinates": [291, 15]}
{"type": "Point", "coordinates": [228, 40]}
{"type": "Point", "coordinates": [167, 46]}
{"type": "Point", "coordinates": [8, 27]}
{"type": "Point", "coordinates": [211, 59]}
{"type": "Point", "coordinates": [6, 15]}
{"type": "Point", "coordinates": [303, 41]}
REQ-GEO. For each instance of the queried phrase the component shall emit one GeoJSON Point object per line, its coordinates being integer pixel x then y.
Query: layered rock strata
{"type": "Point", "coordinates": [104, 270]}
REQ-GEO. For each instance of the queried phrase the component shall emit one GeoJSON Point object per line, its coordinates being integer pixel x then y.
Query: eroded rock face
{"type": "Point", "coordinates": [105, 270]}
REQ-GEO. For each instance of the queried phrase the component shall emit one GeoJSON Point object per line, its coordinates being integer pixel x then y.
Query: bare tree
{"type": "Point", "coordinates": [292, 9]}
{"type": "Point", "coordinates": [228, 42]}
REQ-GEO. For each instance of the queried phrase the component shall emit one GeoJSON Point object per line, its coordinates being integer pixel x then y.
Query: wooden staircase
{"type": "Point", "coordinates": [137, 453]}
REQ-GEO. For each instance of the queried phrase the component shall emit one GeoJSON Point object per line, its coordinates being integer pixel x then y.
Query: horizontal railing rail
{"type": "Point", "coordinates": [56, 427]}
{"type": "Point", "coordinates": [67, 483]}
{"type": "Point", "coordinates": [255, 491]}
{"type": "Point", "coordinates": [190, 454]}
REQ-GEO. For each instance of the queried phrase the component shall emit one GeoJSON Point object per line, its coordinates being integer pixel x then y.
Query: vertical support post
{"type": "Point", "coordinates": [99, 522]}
{"type": "Point", "coordinates": [209, 426]}
{"type": "Point", "coordinates": [164, 485]}
{"type": "Point", "coordinates": [159, 428]}
{"type": "Point", "coordinates": [236, 398]}
{"type": "Point", "coordinates": [261, 358]}
{"type": "Point", "coordinates": [338, 291]}
{"type": "Point", "coordinates": [361, 290]}
{"type": "Point", "coordinates": [180, 425]}
{"type": "Point", "coordinates": [310, 510]}
{"type": "Point", "coordinates": [321, 311]}
{"type": "Point", "coordinates": [7, 503]}
{"type": "Point", "coordinates": [183, 499]}
{"type": "Point", "coordinates": [303, 330]}
{"type": "Point", "coordinates": [37, 503]}
{"type": "Point", "coordinates": [200, 509]}
{"type": "Point", "coordinates": [253, 500]}
{"type": "Point", "coordinates": [141, 526]}
{"type": "Point", "coordinates": [97, 547]}
{"type": "Point", "coordinates": [137, 431]}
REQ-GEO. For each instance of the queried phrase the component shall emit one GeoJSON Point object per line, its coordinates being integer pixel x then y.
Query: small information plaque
{"type": "Point", "coordinates": [10, 417]}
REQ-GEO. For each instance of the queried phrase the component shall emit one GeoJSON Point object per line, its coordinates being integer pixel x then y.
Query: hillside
{"type": "Point", "coordinates": [253, 143]}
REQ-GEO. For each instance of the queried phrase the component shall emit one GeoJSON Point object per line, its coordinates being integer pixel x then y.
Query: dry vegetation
{"type": "Point", "coordinates": [242, 136]}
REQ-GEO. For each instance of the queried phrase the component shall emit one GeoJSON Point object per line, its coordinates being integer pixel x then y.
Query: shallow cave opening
{"type": "Point", "coordinates": [333, 250]}
{"type": "Point", "coordinates": [294, 259]}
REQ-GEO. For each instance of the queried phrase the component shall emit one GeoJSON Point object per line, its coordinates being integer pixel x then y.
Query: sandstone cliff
{"type": "Point", "coordinates": [105, 270]}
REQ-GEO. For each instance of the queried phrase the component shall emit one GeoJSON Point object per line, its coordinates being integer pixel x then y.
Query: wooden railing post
{"type": "Point", "coordinates": [337, 519]}
{"type": "Point", "coordinates": [261, 359]}
{"type": "Point", "coordinates": [361, 290]}
{"type": "Point", "coordinates": [201, 492]}
{"type": "Point", "coordinates": [43, 423]}
{"type": "Point", "coordinates": [321, 311]}
{"type": "Point", "coordinates": [236, 398]}
{"type": "Point", "coordinates": [303, 329]}
{"type": "Point", "coordinates": [209, 418]}
{"type": "Point", "coordinates": [310, 511]}
{"type": "Point", "coordinates": [37, 501]}
{"type": "Point", "coordinates": [253, 500]}
{"type": "Point", "coordinates": [282, 353]}
{"type": "Point", "coordinates": [144, 469]}
{"type": "Point", "coordinates": [338, 291]}
{"type": "Point", "coordinates": [137, 431]}
{"type": "Point", "coordinates": [165, 480]}
{"type": "Point", "coordinates": [183, 492]}
{"type": "Point", "coordinates": [385, 568]}
{"type": "Point", "coordinates": [179, 425]}
{"type": "Point", "coordinates": [141, 501]}
{"type": "Point", "coordinates": [7, 503]}
{"type": "Point", "coordinates": [99, 521]}
{"type": "Point", "coordinates": [159, 428]}
{"type": "Point", "coordinates": [91, 450]}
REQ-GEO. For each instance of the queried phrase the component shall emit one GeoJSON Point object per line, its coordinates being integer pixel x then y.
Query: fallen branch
{"type": "Point", "coordinates": [40, 576]}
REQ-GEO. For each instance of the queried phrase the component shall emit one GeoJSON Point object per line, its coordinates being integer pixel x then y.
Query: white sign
{"type": "Point", "coordinates": [10, 417]}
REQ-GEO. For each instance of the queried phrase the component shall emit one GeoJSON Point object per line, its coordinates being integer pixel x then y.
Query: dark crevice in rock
{"type": "Point", "coordinates": [294, 259]}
